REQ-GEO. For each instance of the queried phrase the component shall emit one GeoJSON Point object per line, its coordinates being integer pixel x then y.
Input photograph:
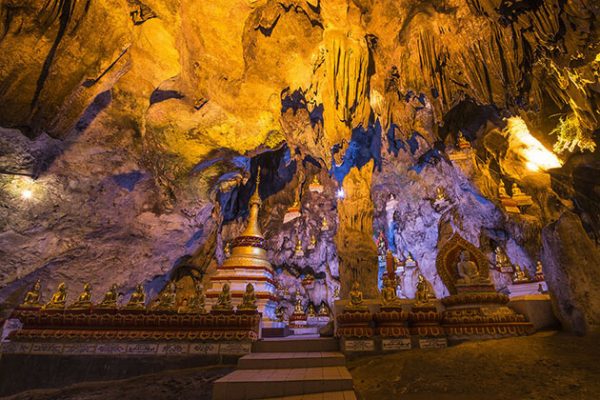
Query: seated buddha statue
{"type": "Point", "coordinates": [168, 298]}
{"type": "Point", "coordinates": [323, 310]}
{"type": "Point", "coordinates": [356, 299]}
{"type": "Point", "coordinates": [248, 299]}
{"type": "Point", "coordinates": [85, 298]}
{"type": "Point", "coordinates": [424, 293]}
{"type": "Point", "coordinates": [389, 299]}
{"type": "Point", "coordinates": [298, 309]}
{"type": "Point", "coordinates": [59, 298]}
{"type": "Point", "coordinates": [110, 298]}
{"type": "Point", "coordinates": [137, 300]}
{"type": "Point", "coordinates": [519, 275]}
{"type": "Point", "coordinates": [468, 273]}
{"type": "Point", "coordinates": [311, 312]}
{"type": "Point", "coordinates": [33, 297]}
{"type": "Point", "coordinates": [197, 302]}
{"type": "Point", "coordinates": [224, 300]}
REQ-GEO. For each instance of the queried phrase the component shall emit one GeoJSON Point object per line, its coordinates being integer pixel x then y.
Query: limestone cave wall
{"type": "Point", "coordinates": [131, 131]}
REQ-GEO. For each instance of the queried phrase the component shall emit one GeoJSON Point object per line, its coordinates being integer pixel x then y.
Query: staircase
{"type": "Point", "coordinates": [290, 368]}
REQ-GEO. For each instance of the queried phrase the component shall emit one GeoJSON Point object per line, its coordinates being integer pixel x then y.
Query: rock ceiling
{"type": "Point", "coordinates": [181, 97]}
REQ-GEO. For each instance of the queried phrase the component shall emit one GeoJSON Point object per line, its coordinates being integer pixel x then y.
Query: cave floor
{"type": "Point", "coordinates": [547, 366]}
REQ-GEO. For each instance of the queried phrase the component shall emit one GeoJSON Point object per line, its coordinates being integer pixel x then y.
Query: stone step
{"type": "Point", "coordinates": [345, 395]}
{"type": "Point", "coordinates": [291, 360]}
{"type": "Point", "coordinates": [248, 384]}
{"type": "Point", "coordinates": [295, 345]}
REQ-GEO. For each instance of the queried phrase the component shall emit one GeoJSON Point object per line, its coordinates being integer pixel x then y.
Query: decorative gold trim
{"type": "Point", "coordinates": [445, 262]}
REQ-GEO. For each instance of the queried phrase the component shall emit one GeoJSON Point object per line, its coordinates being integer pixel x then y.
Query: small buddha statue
{"type": "Point", "coordinates": [336, 292]}
{"type": "Point", "coordinates": [227, 250]}
{"type": "Point", "coordinates": [85, 298]}
{"type": "Point", "coordinates": [502, 190]}
{"type": "Point", "coordinates": [499, 257]}
{"type": "Point", "coordinates": [184, 307]}
{"type": "Point", "coordinates": [59, 298]}
{"type": "Point", "coordinates": [33, 297]}
{"type": "Point", "coordinates": [516, 190]}
{"type": "Point", "coordinates": [224, 300]}
{"type": "Point", "coordinates": [248, 299]}
{"type": "Point", "coordinates": [323, 310]}
{"type": "Point", "coordinates": [440, 194]}
{"type": "Point", "coordinates": [110, 298]}
{"type": "Point", "coordinates": [298, 309]}
{"type": "Point", "coordinates": [167, 300]}
{"type": "Point", "coordinates": [356, 299]}
{"type": "Point", "coordinates": [410, 262]}
{"type": "Point", "coordinates": [324, 225]}
{"type": "Point", "coordinates": [389, 299]}
{"type": "Point", "coordinates": [197, 302]}
{"type": "Point", "coordinates": [137, 301]}
{"type": "Point", "coordinates": [539, 273]}
{"type": "Point", "coordinates": [468, 273]}
{"type": "Point", "coordinates": [311, 312]}
{"type": "Point", "coordinates": [298, 252]}
{"type": "Point", "coordinates": [424, 293]}
{"type": "Point", "coordinates": [313, 242]}
{"type": "Point", "coordinates": [519, 275]}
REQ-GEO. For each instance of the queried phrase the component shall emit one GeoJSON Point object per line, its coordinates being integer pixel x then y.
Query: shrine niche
{"type": "Point", "coordinates": [449, 256]}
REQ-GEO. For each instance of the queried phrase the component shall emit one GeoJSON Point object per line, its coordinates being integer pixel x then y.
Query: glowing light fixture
{"type": "Point", "coordinates": [26, 194]}
{"type": "Point", "coordinates": [536, 156]}
{"type": "Point", "coordinates": [340, 194]}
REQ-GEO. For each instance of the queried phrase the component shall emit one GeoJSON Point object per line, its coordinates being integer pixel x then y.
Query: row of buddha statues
{"type": "Point", "coordinates": [166, 301]}
{"type": "Point", "coordinates": [519, 274]}
{"type": "Point", "coordinates": [388, 295]}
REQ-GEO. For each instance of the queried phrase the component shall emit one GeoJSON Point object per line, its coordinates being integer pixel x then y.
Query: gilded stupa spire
{"type": "Point", "coordinates": [253, 229]}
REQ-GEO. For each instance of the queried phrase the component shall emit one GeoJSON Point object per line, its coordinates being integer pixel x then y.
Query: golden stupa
{"type": "Point", "coordinates": [248, 263]}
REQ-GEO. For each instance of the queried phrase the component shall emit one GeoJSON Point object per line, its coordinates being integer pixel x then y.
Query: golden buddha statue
{"type": "Point", "coordinates": [311, 312]}
{"type": "Point", "coordinates": [167, 301]}
{"type": "Point", "coordinates": [227, 250]}
{"type": "Point", "coordinates": [33, 297]}
{"type": "Point", "coordinates": [324, 224]}
{"type": "Point", "coordinates": [539, 273]}
{"type": "Point", "coordinates": [519, 275]}
{"type": "Point", "coordinates": [440, 194]}
{"type": "Point", "coordinates": [137, 301]}
{"type": "Point", "coordinates": [516, 190]}
{"type": "Point", "coordinates": [298, 309]}
{"type": "Point", "coordinates": [502, 190]}
{"type": "Point", "coordinates": [298, 252]}
{"type": "Point", "coordinates": [184, 307]}
{"type": "Point", "coordinates": [85, 298]}
{"type": "Point", "coordinates": [248, 299]}
{"type": "Point", "coordinates": [224, 300]}
{"type": "Point", "coordinates": [356, 299]}
{"type": "Point", "coordinates": [315, 180]}
{"type": "Point", "coordinates": [323, 310]}
{"type": "Point", "coordinates": [468, 272]}
{"type": "Point", "coordinates": [313, 241]}
{"type": "Point", "coordinates": [197, 302]}
{"type": "Point", "coordinates": [59, 298]}
{"type": "Point", "coordinates": [389, 299]}
{"type": "Point", "coordinates": [424, 293]}
{"type": "Point", "coordinates": [110, 298]}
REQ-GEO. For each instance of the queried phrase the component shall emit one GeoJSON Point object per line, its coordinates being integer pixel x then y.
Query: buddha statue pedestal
{"type": "Point", "coordinates": [424, 319]}
{"type": "Point", "coordinates": [478, 312]}
{"type": "Point", "coordinates": [392, 326]}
